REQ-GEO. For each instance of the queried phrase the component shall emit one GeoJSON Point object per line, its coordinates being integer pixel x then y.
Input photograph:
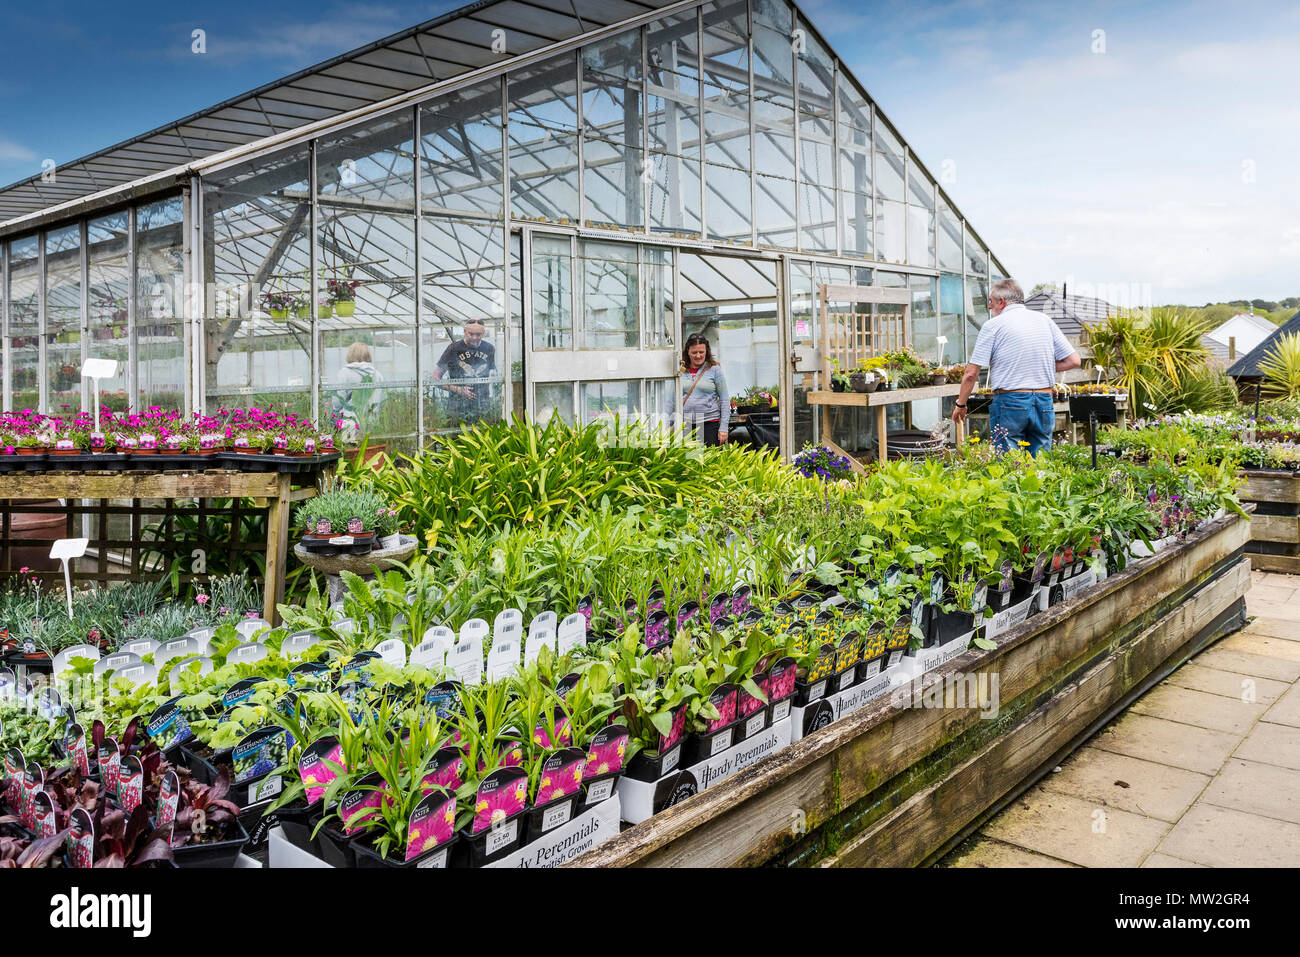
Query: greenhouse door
{"type": "Point", "coordinates": [600, 327]}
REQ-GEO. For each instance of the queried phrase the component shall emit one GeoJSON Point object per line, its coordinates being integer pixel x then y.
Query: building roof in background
{"type": "Point", "coordinates": [1070, 312]}
{"type": "Point", "coordinates": [1247, 328]}
{"type": "Point", "coordinates": [1248, 365]}
{"type": "Point", "coordinates": [474, 36]}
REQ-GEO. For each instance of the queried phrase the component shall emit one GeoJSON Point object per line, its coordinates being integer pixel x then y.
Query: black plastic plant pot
{"type": "Point", "coordinates": [870, 667]}
{"type": "Point", "coordinates": [650, 768]}
{"type": "Point", "coordinates": [490, 844]}
{"type": "Point", "coordinates": [547, 817]}
{"type": "Point", "coordinates": [297, 821]}
{"type": "Point", "coordinates": [805, 694]}
{"type": "Point", "coordinates": [704, 745]}
{"type": "Point", "coordinates": [217, 854]}
{"type": "Point", "coordinates": [201, 768]}
{"type": "Point", "coordinates": [949, 625]}
{"type": "Point", "coordinates": [1022, 586]}
{"type": "Point", "coordinates": [754, 724]}
{"type": "Point", "coordinates": [38, 664]}
{"type": "Point", "coordinates": [842, 680]}
{"type": "Point", "coordinates": [600, 788]}
{"type": "Point", "coordinates": [438, 857]}
{"type": "Point", "coordinates": [336, 848]}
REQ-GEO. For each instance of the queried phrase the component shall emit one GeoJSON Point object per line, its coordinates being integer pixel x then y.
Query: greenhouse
{"type": "Point", "coordinates": [584, 185]}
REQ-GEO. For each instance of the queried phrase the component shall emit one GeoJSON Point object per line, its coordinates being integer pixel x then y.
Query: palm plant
{"type": "Point", "coordinates": [1281, 367]}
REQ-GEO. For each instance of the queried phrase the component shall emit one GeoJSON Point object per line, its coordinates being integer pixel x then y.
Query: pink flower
{"type": "Point", "coordinates": [201, 599]}
{"type": "Point", "coordinates": [24, 570]}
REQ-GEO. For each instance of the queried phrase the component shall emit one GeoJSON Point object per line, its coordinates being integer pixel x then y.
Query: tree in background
{"type": "Point", "coordinates": [1157, 357]}
{"type": "Point", "coordinates": [1281, 367]}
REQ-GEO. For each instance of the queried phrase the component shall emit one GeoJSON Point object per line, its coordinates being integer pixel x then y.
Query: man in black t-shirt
{"type": "Point", "coordinates": [468, 358]}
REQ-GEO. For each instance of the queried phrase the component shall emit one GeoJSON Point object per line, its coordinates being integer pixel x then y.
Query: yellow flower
{"type": "Point", "coordinates": [1023, 444]}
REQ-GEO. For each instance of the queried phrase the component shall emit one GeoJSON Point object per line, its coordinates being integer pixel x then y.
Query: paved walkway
{"type": "Point", "coordinates": [1202, 771]}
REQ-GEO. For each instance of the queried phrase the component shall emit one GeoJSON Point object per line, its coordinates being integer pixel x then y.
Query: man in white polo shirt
{"type": "Point", "coordinates": [1025, 350]}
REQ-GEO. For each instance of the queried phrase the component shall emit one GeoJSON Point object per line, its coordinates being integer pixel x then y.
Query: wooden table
{"type": "Point", "coordinates": [879, 401]}
{"type": "Point", "coordinates": [274, 491]}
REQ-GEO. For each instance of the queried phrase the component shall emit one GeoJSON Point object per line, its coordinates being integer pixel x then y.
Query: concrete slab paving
{"type": "Point", "coordinates": [1130, 784]}
{"type": "Point", "coordinates": [1263, 789]}
{"type": "Point", "coordinates": [1081, 832]}
{"type": "Point", "coordinates": [1275, 628]}
{"type": "Point", "coordinates": [991, 853]}
{"type": "Point", "coordinates": [1265, 592]}
{"type": "Point", "coordinates": [1200, 708]}
{"type": "Point", "coordinates": [1222, 837]}
{"type": "Point", "coordinates": [1230, 684]}
{"type": "Point", "coordinates": [1257, 644]}
{"type": "Point", "coordinates": [1164, 860]}
{"type": "Point", "coordinates": [1286, 710]}
{"type": "Point", "coordinates": [1270, 743]}
{"type": "Point", "coordinates": [1246, 663]}
{"type": "Point", "coordinates": [1167, 742]}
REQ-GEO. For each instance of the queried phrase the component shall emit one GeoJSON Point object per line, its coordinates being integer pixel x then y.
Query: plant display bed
{"type": "Point", "coordinates": [276, 491]}
{"type": "Point", "coordinates": [1275, 525]}
{"type": "Point", "coordinates": [898, 782]}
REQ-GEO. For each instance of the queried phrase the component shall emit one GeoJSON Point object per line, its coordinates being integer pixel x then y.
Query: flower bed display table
{"type": "Point", "coordinates": [274, 491]}
{"type": "Point", "coordinates": [880, 401]}
{"type": "Point", "coordinates": [1275, 526]}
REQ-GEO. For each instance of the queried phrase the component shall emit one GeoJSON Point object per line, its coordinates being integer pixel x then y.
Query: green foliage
{"type": "Point", "coordinates": [1281, 367]}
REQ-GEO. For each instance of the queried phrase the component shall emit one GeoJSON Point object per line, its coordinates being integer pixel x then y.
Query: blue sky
{"type": "Point", "coordinates": [1154, 159]}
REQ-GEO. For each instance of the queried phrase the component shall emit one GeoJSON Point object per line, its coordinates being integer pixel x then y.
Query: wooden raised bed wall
{"type": "Point", "coordinates": [1275, 526]}
{"type": "Point", "coordinates": [899, 785]}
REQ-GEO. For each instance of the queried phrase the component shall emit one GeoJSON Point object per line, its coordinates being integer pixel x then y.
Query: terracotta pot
{"type": "Point", "coordinates": [39, 527]}
{"type": "Point", "coordinates": [371, 452]}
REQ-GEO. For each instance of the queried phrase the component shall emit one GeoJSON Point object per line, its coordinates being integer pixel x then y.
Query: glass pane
{"type": "Point", "coordinates": [675, 196]}
{"type": "Point", "coordinates": [611, 89]}
{"type": "Point", "coordinates": [370, 163]}
{"type": "Point", "coordinates": [553, 398]}
{"type": "Point", "coordinates": [775, 153]}
{"type": "Point", "coordinates": [951, 325]}
{"type": "Point", "coordinates": [659, 299]}
{"type": "Point", "coordinates": [977, 257]}
{"type": "Point", "coordinates": [920, 236]}
{"type": "Point", "coordinates": [612, 185]}
{"type": "Point", "coordinates": [24, 322]}
{"type": "Point", "coordinates": [816, 75]}
{"type": "Point", "coordinates": [855, 111]}
{"type": "Point", "coordinates": [610, 296]}
{"type": "Point", "coordinates": [726, 130]}
{"type": "Point", "coordinates": [604, 400]}
{"type": "Point", "coordinates": [460, 151]}
{"type": "Point", "coordinates": [109, 286]}
{"type": "Point", "coordinates": [925, 318]}
{"type": "Point", "coordinates": [889, 164]}
{"type": "Point", "coordinates": [775, 214]}
{"type": "Point", "coordinates": [856, 223]}
{"type": "Point", "coordinates": [977, 307]}
{"type": "Point", "coordinates": [673, 114]}
{"type": "Point", "coordinates": [890, 231]}
{"type": "Point", "coordinates": [817, 161]}
{"type": "Point", "coordinates": [160, 261]}
{"type": "Point", "coordinates": [729, 214]}
{"type": "Point", "coordinates": [773, 63]}
{"type": "Point", "coordinates": [161, 362]}
{"type": "Point", "coordinates": [552, 285]}
{"type": "Point", "coordinates": [543, 135]}
{"type": "Point", "coordinates": [950, 248]}
{"type": "Point", "coordinates": [63, 318]}
{"type": "Point", "coordinates": [256, 245]}
{"type": "Point", "coordinates": [855, 169]}
{"type": "Point", "coordinates": [726, 48]}
{"type": "Point", "coordinates": [465, 385]}
{"type": "Point", "coordinates": [817, 212]}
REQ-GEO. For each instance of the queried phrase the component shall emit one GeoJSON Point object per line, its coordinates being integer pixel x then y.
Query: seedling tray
{"type": "Point", "coordinates": [217, 854]}
{"type": "Point", "coordinates": [336, 848]}
{"type": "Point", "coordinates": [701, 747]}
{"type": "Point", "coordinates": [297, 821]}
{"type": "Point", "coordinates": [842, 680]}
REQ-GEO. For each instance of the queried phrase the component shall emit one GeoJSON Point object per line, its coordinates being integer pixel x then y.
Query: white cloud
{"type": "Point", "coordinates": [11, 152]}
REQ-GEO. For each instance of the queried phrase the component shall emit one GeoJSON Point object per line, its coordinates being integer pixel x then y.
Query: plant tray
{"type": "Point", "coordinates": [250, 462]}
{"type": "Point", "coordinates": [218, 854]}
{"type": "Point", "coordinates": [42, 664]}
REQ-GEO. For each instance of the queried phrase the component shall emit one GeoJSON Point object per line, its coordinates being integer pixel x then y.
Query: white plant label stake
{"type": "Point", "coordinates": [466, 656]}
{"type": "Point", "coordinates": [432, 650]}
{"type": "Point", "coordinates": [503, 658]}
{"type": "Point", "coordinates": [64, 549]}
{"type": "Point", "coordinates": [572, 633]}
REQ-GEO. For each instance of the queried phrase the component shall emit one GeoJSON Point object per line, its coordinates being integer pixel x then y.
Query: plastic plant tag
{"type": "Point", "coordinates": [937, 586]}
{"type": "Point", "coordinates": [362, 803]}
{"type": "Point", "coordinates": [110, 764]}
{"type": "Point", "coordinates": [81, 838]}
{"type": "Point", "coordinates": [8, 684]}
{"type": "Point", "coordinates": [299, 642]}
{"type": "Point", "coordinates": [43, 812]}
{"type": "Point", "coordinates": [807, 605]}
{"type": "Point", "coordinates": [571, 634]}
{"type": "Point", "coordinates": [247, 653]}
{"type": "Point", "coordinates": [822, 625]}
{"type": "Point", "coordinates": [307, 673]}
{"type": "Point", "coordinates": [687, 613]}
{"type": "Point", "coordinates": [201, 665]}
{"type": "Point", "coordinates": [722, 623]}
{"type": "Point", "coordinates": [631, 611]}
{"type": "Point", "coordinates": [655, 600]}
{"type": "Point", "coordinates": [315, 767]}
{"type": "Point", "coordinates": [250, 628]}
{"type": "Point", "coordinates": [116, 662]}
{"type": "Point", "coordinates": [918, 612]}
{"type": "Point", "coordinates": [676, 731]}
{"type": "Point", "coordinates": [202, 639]}
{"type": "Point", "coordinates": [465, 658]}
{"type": "Point", "coordinates": [130, 791]}
{"type": "Point", "coordinates": [167, 726]}
{"type": "Point", "coordinates": [74, 744]}
{"type": "Point", "coordinates": [63, 660]}
{"type": "Point", "coordinates": [15, 767]}
{"type": "Point", "coordinates": [894, 576]}
{"type": "Point", "coordinates": [740, 599]}
{"type": "Point", "coordinates": [780, 686]}
{"type": "Point", "coordinates": [566, 684]}
{"type": "Point", "coordinates": [536, 641]}
{"type": "Point", "coordinates": [392, 651]}
{"type": "Point", "coordinates": [141, 674]}
{"type": "Point", "coordinates": [502, 795]}
{"type": "Point", "coordinates": [656, 630]}
{"type": "Point", "coordinates": [33, 781]}
{"type": "Point", "coordinates": [175, 648]}
{"type": "Point", "coordinates": [606, 751]}
{"type": "Point", "coordinates": [432, 824]}
{"type": "Point", "coordinates": [849, 652]}
{"type": "Point", "coordinates": [746, 703]}
{"type": "Point", "coordinates": [432, 650]}
{"type": "Point", "coordinates": [445, 698]}
{"type": "Point", "coordinates": [980, 599]}
{"type": "Point", "coordinates": [503, 656]}
{"type": "Point", "coordinates": [49, 703]}
{"type": "Point", "coordinates": [1006, 570]}
{"type": "Point", "coordinates": [545, 622]}
{"type": "Point", "coordinates": [140, 646]}
{"type": "Point", "coordinates": [169, 799]}
{"type": "Point", "coordinates": [258, 753]}
{"type": "Point", "coordinates": [901, 633]}
{"type": "Point", "coordinates": [241, 691]}
{"type": "Point", "coordinates": [587, 609]}
{"type": "Point", "coordinates": [561, 776]}
{"type": "Point", "coordinates": [508, 618]}
{"type": "Point", "coordinates": [563, 733]}
{"type": "Point", "coordinates": [344, 626]}
{"type": "Point", "coordinates": [447, 770]}
{"type": "Point", "coordinates": [1040, 565]}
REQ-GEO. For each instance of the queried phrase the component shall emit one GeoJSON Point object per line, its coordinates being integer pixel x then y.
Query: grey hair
{"type": "Point", "coordinates": [1007, 289]}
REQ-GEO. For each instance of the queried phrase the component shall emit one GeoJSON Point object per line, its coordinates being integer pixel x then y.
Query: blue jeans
{"type": "Point", "coordinates": [1020, 417]}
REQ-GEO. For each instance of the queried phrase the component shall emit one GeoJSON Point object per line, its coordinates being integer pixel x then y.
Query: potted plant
{"type": "Point", "coordinates": [279, 304]}
{"type": "Point", "coordinates": [342, 295]}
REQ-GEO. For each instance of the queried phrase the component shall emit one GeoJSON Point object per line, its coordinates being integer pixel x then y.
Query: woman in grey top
{"type": "Point", "coordinates": [701, 393]}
